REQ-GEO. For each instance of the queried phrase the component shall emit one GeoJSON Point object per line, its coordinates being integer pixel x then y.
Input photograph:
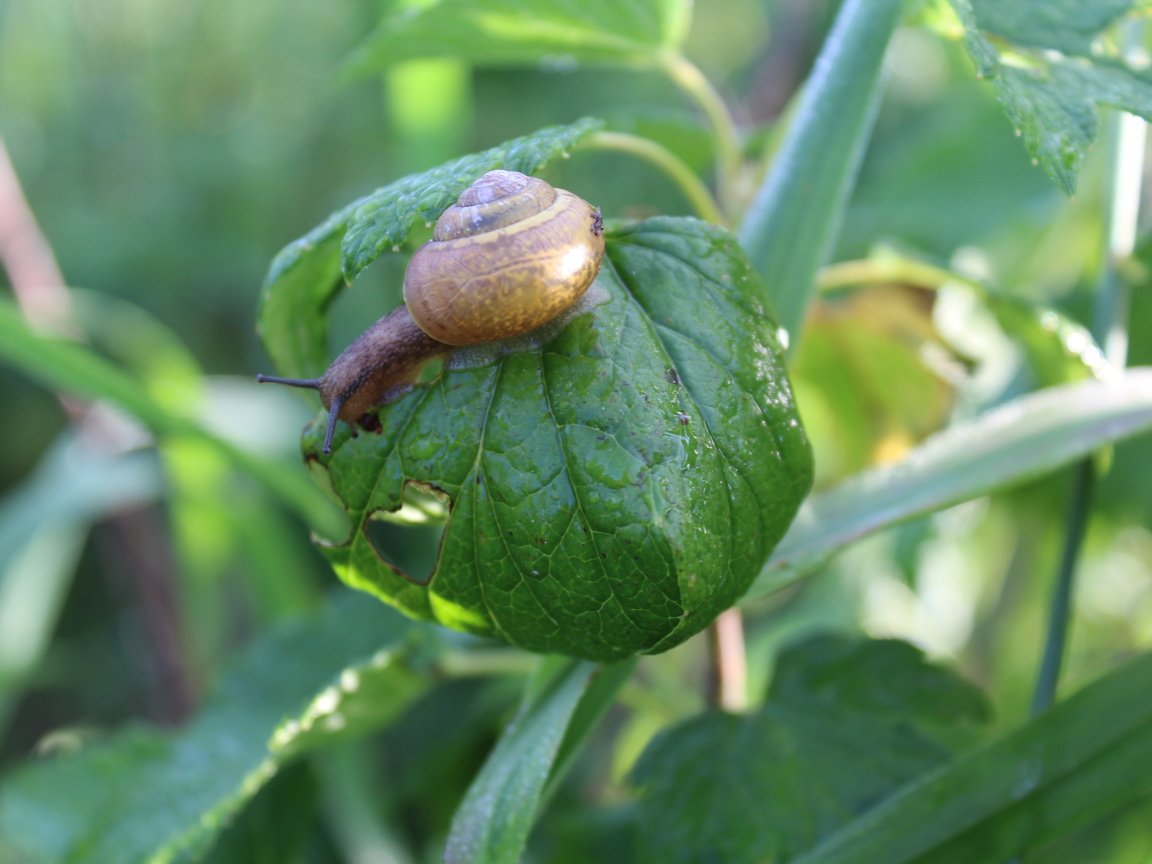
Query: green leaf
{"type": "Point", "coordinates": [517, 32]}
{"type": "Point", "coordinates": [1086, 757]}
{"type": "Point", "coordinates": [307, 273]}
{"type": "Point", "coordinates": [614, 483]}
{"type": "Point", "coordinates": [1019, 441]}
{"type": "Point", "coordinates": [1051, 67]}
{"type": "Point", "coordinates": [792, 222]}
{"type": "Point", "coordinates": [844, 725]}
{"type": "Point", "coordinates": [150, 797]}
{"type": "Point", "coordinates": [494, 820]}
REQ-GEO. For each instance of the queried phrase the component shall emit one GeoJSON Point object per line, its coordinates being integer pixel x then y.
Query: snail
{"type": "Point", "coordinates": [510, 255]}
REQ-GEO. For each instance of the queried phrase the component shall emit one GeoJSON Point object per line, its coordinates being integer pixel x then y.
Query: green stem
{"type": "Point", "coordinates": [1126, 136]}
{"type": "Point", "coordinates": [794, 218]}
{"type": "Point", "coordinates": [867, 271]}
{"type": "Point", "coordinates": [668, 162]}
{"type": "Point", "coordinates": [688, 77]}
{"type": "Point", "coordinates": [473, 664]}
{"type": "Point", "coordinates": [1060, 606]}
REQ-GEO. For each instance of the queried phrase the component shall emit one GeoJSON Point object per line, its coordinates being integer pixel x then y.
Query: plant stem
{"type": "Point", "coordinates": [668, 162]}
{"type": "Point", "coordinates": [890, 269]}
{"type": "Point", "coordinates": [1060, 606]}
{"type": "Point", "coordinates": [728, 676]}
{"type": "Point", "coordinates": [688, 77]}
{"type": "Point", "coordinates": [480, 663]}
{"type": "Point", "coordinates": [790, 227]}
{"type": "Point", "coordinates": [26, 255]}
{"type": "Point", "coordinates": [1126, 136]}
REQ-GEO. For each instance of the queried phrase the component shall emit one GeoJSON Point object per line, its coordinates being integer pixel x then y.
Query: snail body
{"type": "Point", "coordinates": [510, 255]}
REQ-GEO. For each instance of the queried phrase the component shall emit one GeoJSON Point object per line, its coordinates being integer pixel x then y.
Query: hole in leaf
{"type": "Point", "coordinates": [408, 538]}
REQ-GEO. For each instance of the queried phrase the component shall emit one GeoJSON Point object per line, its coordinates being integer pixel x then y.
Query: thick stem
{"type": "Point", "coordinates": [793, 220]}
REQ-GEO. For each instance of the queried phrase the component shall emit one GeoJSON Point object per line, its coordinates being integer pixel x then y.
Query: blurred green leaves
{"type": "Point", "coordinates": [66, 366]}
{"type": "Point", "coordinates": [1018, 441]}
{"type": "Point", "coordinates": [151, 797]}
{"type": "Point", "coordinates": [1051, 65]}
{"type": "Point", "coordinates": [43, 526]}
{"type": "Point", "coordinates": [549, 32]}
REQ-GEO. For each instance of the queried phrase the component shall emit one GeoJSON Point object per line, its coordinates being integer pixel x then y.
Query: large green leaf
{"type": "Point", "coordinates": [844, 725]}
{"type": "Point", "coordinates": [1019, 441]}
{"type": "Point", "coordinates": [1051, 67]}
{"type": "Point", "coordinates": [528, 32]}
{"type": "Point", "coordinates": [147, 796]}
{"type": "Point", "coordinates": [1086, 757]}
{"type": "Point", "coordinates": [613, 485]}
{"type": "Point", "coordinates": [307, 273]}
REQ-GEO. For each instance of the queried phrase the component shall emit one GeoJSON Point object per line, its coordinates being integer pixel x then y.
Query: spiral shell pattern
{"type": "Point", "coordinates": [509, 256]}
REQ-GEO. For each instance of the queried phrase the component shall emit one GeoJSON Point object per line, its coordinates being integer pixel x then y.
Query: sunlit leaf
{"type": "Point", "coordinates": [613, 485]}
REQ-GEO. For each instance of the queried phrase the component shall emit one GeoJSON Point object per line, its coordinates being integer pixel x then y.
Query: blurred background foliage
{"type": "Point", "coordinates": [169, 150]}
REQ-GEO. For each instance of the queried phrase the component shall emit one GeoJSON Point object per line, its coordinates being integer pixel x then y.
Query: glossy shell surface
{"type": "Point", "coordinates": [512, 254]}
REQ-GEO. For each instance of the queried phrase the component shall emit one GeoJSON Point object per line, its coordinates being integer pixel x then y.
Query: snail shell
{"type": "Point", "coordinates": [510, 255]}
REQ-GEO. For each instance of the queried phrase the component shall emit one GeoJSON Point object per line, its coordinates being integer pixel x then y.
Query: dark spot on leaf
{"type": "Point", "coordinates": [370, 422]}
{"type": "Point", "coordinates": [597, 222]}
{"type": "Point", "coordinates": [673, 376]}
{"type": "Point", "coordinates": [683, 418]}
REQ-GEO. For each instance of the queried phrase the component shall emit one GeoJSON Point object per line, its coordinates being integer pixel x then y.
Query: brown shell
{"type": "Point", "coordinates": [507, 258]}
